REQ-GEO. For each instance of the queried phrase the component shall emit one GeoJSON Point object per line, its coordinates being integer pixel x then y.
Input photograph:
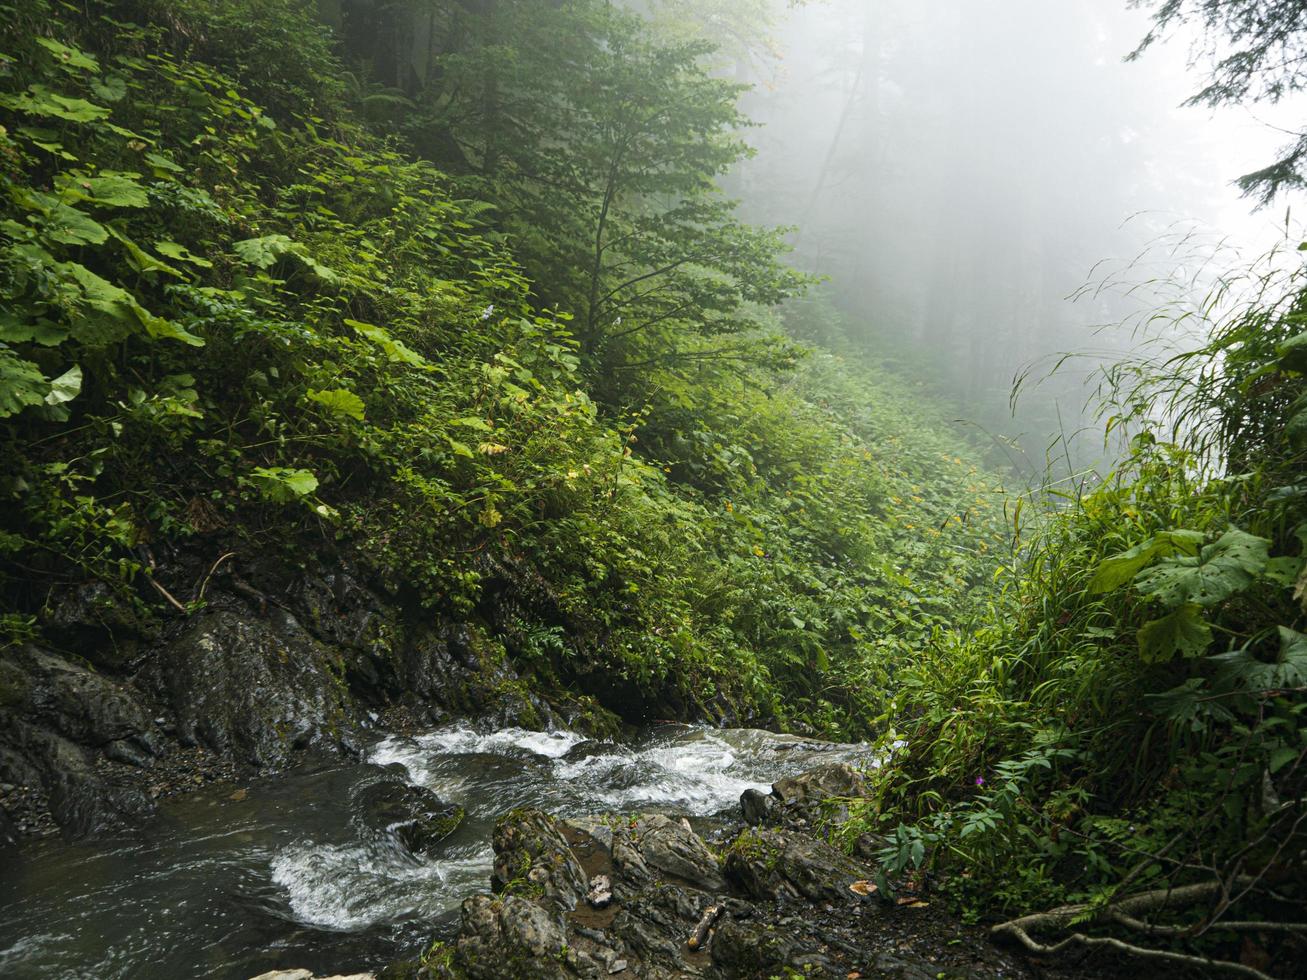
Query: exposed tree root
{"type": "Point", "coordinates": [1125, 913]}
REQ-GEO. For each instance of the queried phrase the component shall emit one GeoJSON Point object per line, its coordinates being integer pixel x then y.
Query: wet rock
{"type": "Point", "coordinates": [69, 699]}
{"type": "Point", "coordinates": [631, 874]}
{"type": "Point", "coordinates": [749, 949]}
{"type": "Point", "coordinates": [902, 965]}
{"type": "Point", "coordinates": [806, 800]}
{"type": "Point", "coordinates": [600, 895]}
{"type": "Point", "coordinates": [510, 937]}
{"type": "Point", "coordinates": [821, 783]}
{"type": "Point", "coordinates": [254, 688]}
{"type": "Point", "coordinates": [757, 808]}
{"type": "Point", "coordinates": [99, 624]}
{"type": "Point", "coordinates": [81, 801]}
{"type": "Point", "coordinates": [8, 832]}
{"type": "Point", "coordinates": [655, 925]}
{"type": "Point", "coordinates": [779, 865]}
{"type": "Point", "coordinates": [673, 848]}
{"type": "Point", "coordinates": [595, 833]}
{"type": "Point", "coordinates": [532, 857]}
{"type": "Point", "coordinates": [339, 610]}
{"type": "Point", "coordinates": [307, 975]}
{"type": "Point", "coordinates": [413, 815]}
{"type": "Point", "coordinates": [131, 752]}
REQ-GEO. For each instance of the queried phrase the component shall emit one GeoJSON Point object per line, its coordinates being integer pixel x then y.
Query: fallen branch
{"type": "Point", "coordinates": [700, 934]}
{"type": "Point", "coordinates": [164, 592]}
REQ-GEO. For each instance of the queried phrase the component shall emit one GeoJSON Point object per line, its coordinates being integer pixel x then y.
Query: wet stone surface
{"type": "Point", "coordinates": [238, 874]}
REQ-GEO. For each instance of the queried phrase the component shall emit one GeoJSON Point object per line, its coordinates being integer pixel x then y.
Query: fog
{"type": "Point", "coordinates": [960, 169]}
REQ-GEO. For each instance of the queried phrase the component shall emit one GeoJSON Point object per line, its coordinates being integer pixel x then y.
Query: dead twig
{"type": "Point", "coordinates": [213, 568]}
{"type": "Point", "coordinates": [165, 593]}
{"type": "Point", "coordinates": [700, 934]}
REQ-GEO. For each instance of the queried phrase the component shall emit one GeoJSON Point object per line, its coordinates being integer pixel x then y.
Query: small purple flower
{"type": "Point", "coordinates": [980, 780]}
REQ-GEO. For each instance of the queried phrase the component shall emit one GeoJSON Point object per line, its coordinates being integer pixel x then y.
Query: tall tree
{"type": "Point", "coordinates": [600, 142]}
{"type": "Point", "coordinates": [1256, 52]}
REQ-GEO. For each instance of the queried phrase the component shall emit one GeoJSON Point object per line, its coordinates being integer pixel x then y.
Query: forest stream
{"type": "Point", "coordinates": [294, 869]}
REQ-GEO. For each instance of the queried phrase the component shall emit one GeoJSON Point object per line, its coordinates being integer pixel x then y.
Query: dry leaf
{"type": "Point", "coordinates": [863, 887]}
{"type": "Point", "coordinates": [238, 795]}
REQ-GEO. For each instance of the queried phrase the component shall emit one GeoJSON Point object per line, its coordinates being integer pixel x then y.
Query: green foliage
{"type": "Point", "coordinates": [1062, 751]}
{"type": "Point", "coordinates": [238, 319]}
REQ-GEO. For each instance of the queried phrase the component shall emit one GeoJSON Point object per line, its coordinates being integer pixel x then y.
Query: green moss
{"type": "Point", "coordinates": [14, 685]}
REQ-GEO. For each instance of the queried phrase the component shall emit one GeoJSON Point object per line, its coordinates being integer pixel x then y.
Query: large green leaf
{"type": "Point", "coordinates": [1293, 353]}
{"type": "Point", "coordinates": [1241, 669]}
{"type": "Point", "coordinates": [182, 254]}
{"type": "Point", "coordinates": [68, 226]}
{"type": "Point", "coordinates": [1116, 571]}
{"type": "Point", "coordinates": [1295, 429]}
{"type": "Point", "coordinates": [66, 387]}
{"type": "Point", "coordinates": [283, 484]}
{"type": "Point", "coordinates": [1181, 631]}
{"type": "Point", "coordinates": [22, 384]}
{"type": "Point", "coordinates": [394, 349]}
{"type": "Point", "coordinates": [103, 296]}
{"type": "Point", "coordinates": [141, 260]}
{"type": "Point", "coordinates": [111, 190]}
{"type": "Point", "coordinates": [40, 101]}
{"type": "Point", "coordinates": [340, 401]}
{"type": "Point", "coordinates": [1228, 565]}
{"type": "Point", "coordinates": [263, 252]}
{"type": "Point", "coordinates": [68, 58]}
{"type": "Point", "coordinates": [16, 330]}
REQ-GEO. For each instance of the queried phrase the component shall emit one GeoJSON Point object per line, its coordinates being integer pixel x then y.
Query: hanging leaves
{"type": "Point", "coordinates": [1181, 631]}
{"type": "Point", "coordinates": [282, 484]}
{"type": "Point", "coordinates": [22, 384]}
{"type": "Point", "coordinates": [68, 58]}
{"type": "Point", "coordinates": [393, 349]}
{"type": "Point", "coordinates": [338, 401]}
{"type": "Point", "coordinates": [40, 101]}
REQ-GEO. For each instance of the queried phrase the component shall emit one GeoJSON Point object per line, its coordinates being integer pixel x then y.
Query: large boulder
{"type": "Point", "coordinates": [56, 716]}
{"type": "Point", "coordinates": [655, 924]}
{"type": "Point", "coordinates": [254, 688]}
{"type": "Point", "coordinates": [832, 781]}
{"type": "Point", "coordinates": [8, 832]}
{"type": "Point", "coordinates": [412, 815]}
{"type": "Point", "coordinates": [750, 949]}
{"type": "Point", "coordinates": [533, 857]}
{"type": "Point", "coordinates": [68, 698]}
{"type": "Point", "coordinates": [812, 797]}
{"type": "Point", "coordinates": [82, 802]}
{"type": "Point", "coordinates": [511, 937]}
{"type": "Point", "coordinates": [670, 846]}
{"type": "Point", "coordinates": [99, 623]}
{"type": "Point", "coordinates": [782, 865]}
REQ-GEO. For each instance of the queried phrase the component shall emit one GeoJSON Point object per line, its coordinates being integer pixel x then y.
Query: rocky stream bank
{"type": "Point", "coordinates": [110, 715]}
{"type": "Point", "coordinates": [113, 711]}
{"type": "Point", "coordinates": [761, 896]}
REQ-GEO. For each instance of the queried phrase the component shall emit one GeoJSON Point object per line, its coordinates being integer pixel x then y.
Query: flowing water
{"type": "Point", "coordinates": [293, 874]}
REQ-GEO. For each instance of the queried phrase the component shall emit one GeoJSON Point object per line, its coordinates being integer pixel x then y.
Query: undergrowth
{"type": "Point", "coordinates": [1127, 721]}
{"type": "Point", "coordinates": [240, 319]}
